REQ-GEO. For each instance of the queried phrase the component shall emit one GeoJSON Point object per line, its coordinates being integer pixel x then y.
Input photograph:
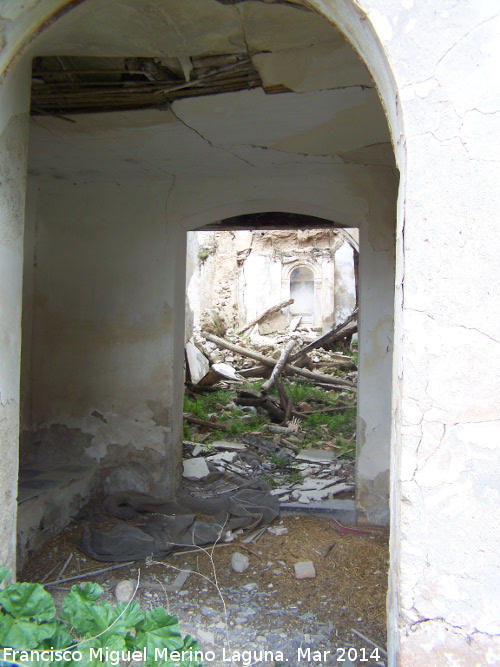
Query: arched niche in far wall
{"type": "Point", "coordinates": [302, 292]}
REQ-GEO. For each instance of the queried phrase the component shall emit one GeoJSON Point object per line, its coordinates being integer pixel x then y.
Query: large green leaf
{"type": "Point", "coordinates": [26, 601]}
{"type": "Point", "coordinates": [4, 573]}
{"type": "Point", "coordinates": [123, 618]}
{"type": "Point", "coordinates": [89, 592]}
{"type": "Point", "coordinates": [81, 612]}
{"type": "Point", "coordinates": [60, 639]}
{"type": "Point", "coordinates": [21, 634]}
{"type": "Point", "coordinates": [159, 631]}
{"type": "Point", "coordinates": [190, 644]}
{"type": "Point", "coordinates": [90, 658]}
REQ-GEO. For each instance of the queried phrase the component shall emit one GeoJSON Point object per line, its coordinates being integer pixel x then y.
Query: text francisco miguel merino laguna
{"type": "Point", "coordinates": [246, 657]}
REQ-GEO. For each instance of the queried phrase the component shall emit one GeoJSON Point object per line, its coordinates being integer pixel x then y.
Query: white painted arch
{"type": "Point", "coordinates": [351, 20]}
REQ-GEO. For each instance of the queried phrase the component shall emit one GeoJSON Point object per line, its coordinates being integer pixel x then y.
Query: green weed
{"type": "Point", "coordinates": [205, 404]}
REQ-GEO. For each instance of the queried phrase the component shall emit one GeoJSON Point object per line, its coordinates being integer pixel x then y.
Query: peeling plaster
{"type": "Point", "coordinates": [436, 643]}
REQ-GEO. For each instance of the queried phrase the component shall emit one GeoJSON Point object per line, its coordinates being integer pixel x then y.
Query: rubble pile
{"type": "Point", "coordinates": [268, 435]}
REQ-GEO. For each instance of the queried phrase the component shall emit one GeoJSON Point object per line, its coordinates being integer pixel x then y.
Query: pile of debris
{"type": "Point", "coordinates": [277, 450]}
{"type": "Point", "coordinates": [212, 360]}
{"type": "Point", "coordinates": [306, 477]}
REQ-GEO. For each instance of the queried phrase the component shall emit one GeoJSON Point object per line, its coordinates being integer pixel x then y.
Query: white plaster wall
{"type": "Point", "coordinates": [256, 287]}
{"type": "Point", "coordinates": [105, 291]}
{"type": "Point", "coordinates": [448, 583]}
{"type": "Point", "coordinates": [441, 56]}
{"type": "Point", "coordinates": [345, 283]}
{"type": "Point", "coordinates": [14, 105]}
{"type": "Point", "coordinates": [328, 292]}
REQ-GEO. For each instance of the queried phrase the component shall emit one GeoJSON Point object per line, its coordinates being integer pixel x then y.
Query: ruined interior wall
{"type": "Point", "coordinates": [345, 283]}
{"type": "Point", "coordinates": [243, 273]}
{"type": "Point", "coordinates": [103, 301]}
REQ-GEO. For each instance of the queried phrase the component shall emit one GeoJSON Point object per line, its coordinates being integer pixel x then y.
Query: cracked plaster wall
{"type": "Point", "coordinates": [445, 556]}
{"type": "Point", "coordinates": [102, 330]}
{"type": "Point", "coordinates": [243, 273]}
{"type": "Point", "coordinates": [441, 58]}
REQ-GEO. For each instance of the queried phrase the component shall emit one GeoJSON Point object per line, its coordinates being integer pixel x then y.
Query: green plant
{"type": "Point", "coordinates": [304, 391]}
{"type": "Point", "coordinates": [337, 427]}
{"type": "Point", "coordinates": [277, 460]}
{"type": "Point", "coordinates": [86, 633]}
{"type": "Point", "coordinates": [205, 404]}
{"type": "Point", "coordinates": [204, 253]}
{"type": "Point", "coordinates": [294, 476]}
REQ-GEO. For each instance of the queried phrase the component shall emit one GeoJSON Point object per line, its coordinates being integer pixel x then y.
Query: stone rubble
{"type": "Point", "coordinates": [240, 562]}
{"type": "Point", "coordinates": [305, 570]}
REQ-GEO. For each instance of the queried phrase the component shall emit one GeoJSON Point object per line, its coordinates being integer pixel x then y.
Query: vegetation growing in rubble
{"type": "Point", "coordinates": [337, 429]}
{"type": "Point", "coordinates": [212, 403]}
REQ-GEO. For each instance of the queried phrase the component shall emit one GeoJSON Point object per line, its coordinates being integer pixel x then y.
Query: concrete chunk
{"type": "Point", "coordinates": [198, 363]}
{"type": "Point", "coordinates": [305, 570]}
{"type": "Point", "coordinates": [316, 456]}
{"type": "Point", "coordinates": [222, 457]}
{"type": "Point", "coordinates": [227, 444]}
{"type": "Point", "coordinates": [195, 468]}
{"type": "Point", "coordinates": [240, 562]}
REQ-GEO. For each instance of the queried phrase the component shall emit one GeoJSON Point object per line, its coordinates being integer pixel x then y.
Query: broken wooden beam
{"type": "Point", "coordinates": [279, 367]}
{"type": "Point", "coordinates": [269, 311]}
{"type": "Point", "coordinates": [288, 368]}
{"type": "Point", "coordinates": [330, 337]}
{"type": "Point", "coordinates": [327, 411]}
{"type": "Point", "coordinates": [203, 422]}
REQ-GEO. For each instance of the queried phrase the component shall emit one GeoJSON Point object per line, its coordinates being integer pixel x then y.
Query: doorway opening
{"type": "Point", "coordinates": [302, 293]}
{"type": "Point", "coordinates": [220, 267]}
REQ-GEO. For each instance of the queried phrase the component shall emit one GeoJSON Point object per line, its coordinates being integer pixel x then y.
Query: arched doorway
{"type": "Point", "coordinates": [302, 292]}
{"type": "Point", "coordinates": [185, 176]}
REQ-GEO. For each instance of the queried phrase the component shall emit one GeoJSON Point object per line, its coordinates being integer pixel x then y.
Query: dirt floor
{"type": "Point", "coordinates": [266, 606]}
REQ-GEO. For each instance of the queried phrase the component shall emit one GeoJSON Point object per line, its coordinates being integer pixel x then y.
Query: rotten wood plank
{"type": "Point", "coordinates": [288, 368]}
{"type": "Point", "coordinates": [269, 311]}
{"type": "Point", "coordinates": [331, 336]}
{"type": "Point", "coordinates": [279, 367]}
{"type": "Point", "coordinates": [203, 422]}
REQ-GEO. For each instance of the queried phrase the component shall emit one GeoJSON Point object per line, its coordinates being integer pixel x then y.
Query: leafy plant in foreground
{"type": "Point", "coordinates": [85, 633]}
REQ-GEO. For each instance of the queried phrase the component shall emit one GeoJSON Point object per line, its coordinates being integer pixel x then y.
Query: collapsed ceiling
{"type": "Point", "coordinates": [80, 84]}
{"type": "Point", "coordinates": [198, 87]}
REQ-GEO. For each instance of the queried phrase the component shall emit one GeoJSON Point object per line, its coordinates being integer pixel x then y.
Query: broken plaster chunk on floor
{"type": "Point", "coordinates": [222, 457]}
{"type": "Point", "coordinates": [206, 636]}
{"type": "Point", "coordinates": [240, 562]}
{"type": "Point", "coordinates": [314, 484]}
{"type": "Point", "coordinates": [316, 456]}
{"type": "Point", "coordinates": [278, 530]}
{"type": "Point", "coordinates": [195, 468]}
{"type": "Point", "coordinates": [305, 570]}
{"type": "Point", "coordinates": [227, 444]}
